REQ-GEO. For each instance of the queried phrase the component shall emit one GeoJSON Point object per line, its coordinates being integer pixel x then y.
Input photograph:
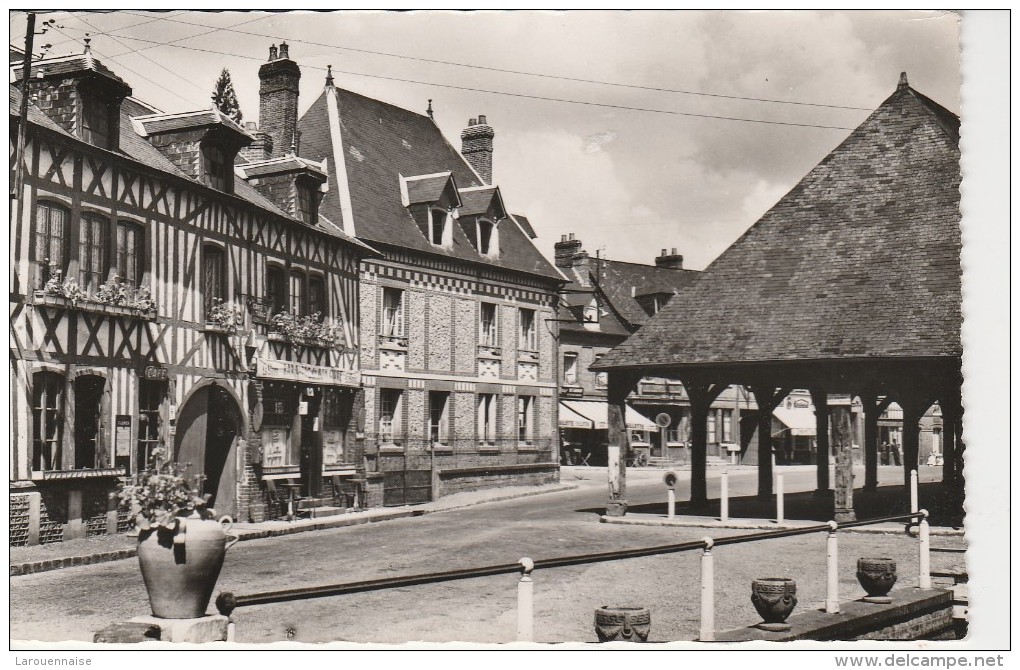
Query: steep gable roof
{"type": "Point", "coordinates": [379, 142]}
{"type": "Point", "coordinates": [622, 283]}
{"type": "Point", "coordinates": [860, 259]}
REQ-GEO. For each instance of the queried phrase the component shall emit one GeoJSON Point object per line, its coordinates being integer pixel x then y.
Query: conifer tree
{"type": "Point", "coordinates": [224, 97]}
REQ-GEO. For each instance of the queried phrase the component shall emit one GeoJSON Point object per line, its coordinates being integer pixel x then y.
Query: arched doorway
{"type": "Point", "coordinates": [208, 428]}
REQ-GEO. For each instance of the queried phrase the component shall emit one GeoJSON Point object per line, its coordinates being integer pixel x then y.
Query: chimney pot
{"type": "Point", "coordinates": [481, 119]}
{"type": "Point", "coordinates": [571, 236]}
{"type": "Point", "coordinates": [272, 52]}
{"type": "Point", "coordinates": [663, 253]}
{"type": "Point", "coordinates": [563, 238]}
{"type": "Point", "coordinates": [284, 50]}
{"type": "Point", "coordinates": [674, 251]}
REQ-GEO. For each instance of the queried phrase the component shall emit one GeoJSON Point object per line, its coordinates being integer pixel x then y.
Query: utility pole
{"type": "Point", "coordinates": [26, 74]}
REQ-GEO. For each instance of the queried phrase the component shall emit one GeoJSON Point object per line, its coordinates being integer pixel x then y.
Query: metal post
{"type": "Point", "coordinates": [724, 497]}
{"type": "Point", "coordinates": [707, 632]}
{"type": "Point", "coordinates": [913, 491]}
{"type": "Point", "coordinates": [923, 558]}
{"type": "Point", "coordinates": [832, 571]}
{"type": "Point", "coordinates": [780, 511]}
{"type": "Point", "coordinates": [525, 602]}
{"type": "Point", "coordinates": [670, 503]}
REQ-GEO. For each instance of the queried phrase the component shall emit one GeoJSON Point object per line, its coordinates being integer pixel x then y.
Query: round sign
{"type": "Point", "coordinates": [669, 479]}
{"type": "Point", "coordinates": [662, 420]}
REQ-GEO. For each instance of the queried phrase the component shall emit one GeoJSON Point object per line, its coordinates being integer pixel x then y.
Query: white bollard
{"type": "Point", "coordinates": [231, 629]}
{"type": "Point", "coordinates": [724, 497]}
{"type": "Point", "coordinates": [913, 491]}
{"type": "Point", "coordinates": [924, 558]}
{"type": "Point", "coordinates": [780, 508]}
{"type": "Point", "coordinates": [525, 602]}
{"type": "Point", "coordinates": [670, 503]}
{"type": "Point", "coordinates": [707, 633]}
{"type": "Point", "coordinates": [832, 571]}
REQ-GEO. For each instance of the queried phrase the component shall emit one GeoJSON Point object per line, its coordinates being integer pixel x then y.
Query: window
{"type": "Point", "coordinates": [591, 315]}
{"type": "Point", "coordinates": [601, 378]}
{"type": "Point", "coordinates": [88, 394]}
{"type": "Point", "coordinates": [307, 202]}
{"type": "Point", "coordinates": [47, 420]}
{"type": "Point", "coordinates": [150, 395]}
{"type": "Point", "coordinates": [440, 233]}
{"type": "Point", "coordinates": [277, 404]}
{"type": "Point", "coordinates": [96, 121]}
{"type": "Point", "coordinates": [317, 296]}
{"type": "Point", "coordinates": [528, 339]}
{"type": "Point", "coordinates": [570, 369]}
{"type": "Point", "coordinates": [390, 416]}
{"type": "Point", "coordinates": [439, 417]}
{"type": "Point", "coordinates": [488, 238]}
{"type": "Point", "coordinates": [487, 419]}
{"type": "Point", "coordinates": [130, 253]}
{"type": "Point", "coordinates": [488, 334]}
{"type": "Point", "coordinates": [297, 293]}
{"type": "Point", "coordinates": [276, 289]}
{"type": "Point", "coordinates": [525, 420]}
{"type": "Point", "coordinates": [50, 235]}
{"type": "Point", "coordinates": [711, 432]}
{"type": "Point", "coordinates": [393, 312]}
{"type": "Point", "coordinates": [214, 277]}
{"type": "Point", "coordinates": [219, 172]}
{"type": "Point", "coordinates": [727, 425]}
{"type": "Point", "coordinates": [92, 240]}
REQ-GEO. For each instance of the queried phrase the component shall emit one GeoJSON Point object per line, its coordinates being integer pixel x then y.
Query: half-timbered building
{"type": "Point", "coordinates": [161, 298]}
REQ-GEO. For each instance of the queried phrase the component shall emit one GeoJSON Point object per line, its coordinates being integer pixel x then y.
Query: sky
{"type": "Point", "coordinates": [627, 183]}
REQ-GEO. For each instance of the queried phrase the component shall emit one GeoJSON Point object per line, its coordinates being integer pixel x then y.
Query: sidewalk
{"type": "Point", "coordinates": [103, 548]}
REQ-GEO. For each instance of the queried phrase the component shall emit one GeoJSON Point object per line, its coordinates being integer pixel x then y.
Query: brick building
{"type": "Point", "coordinates": [144, 271]}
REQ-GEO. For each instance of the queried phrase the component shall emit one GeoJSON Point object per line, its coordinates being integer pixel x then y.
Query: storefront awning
{"type": "Point", "coordinates": [595, 415]}
{"type": "Point", "coordinates": [799, 421]}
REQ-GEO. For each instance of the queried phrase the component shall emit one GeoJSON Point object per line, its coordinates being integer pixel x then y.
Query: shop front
{"type": "Point", "coordinates": [584, 430]}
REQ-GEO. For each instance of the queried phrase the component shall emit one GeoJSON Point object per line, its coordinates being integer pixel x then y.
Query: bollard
{"type": "Point", "coordinates": [780, 509]}
{"type": "Point", "coordinates": [923, 558]}
{"type": "Point", "coordinates": [231, 626]}
{"type": "Point", "coordinates": [724, 497]}
{"type": "Point", "coordinates": [525, 602]}
{"type": "Point", "coordinates": [670, 503]}
{"type": "Point", "coordinates": [832, 571]}
{"type": "Point", "coordinates": [707, 633]}
{"type": "Point", "coordinates": [913, 491]}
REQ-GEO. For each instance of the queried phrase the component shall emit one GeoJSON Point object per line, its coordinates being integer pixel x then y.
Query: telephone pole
{"type": "Point", "coordinates": [26, 74]}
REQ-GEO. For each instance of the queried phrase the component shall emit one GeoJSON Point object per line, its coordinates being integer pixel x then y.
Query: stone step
{"type": "Point", "coordinates": [325, 510]}
{"type": "Point", "coordinates": [309, 503]}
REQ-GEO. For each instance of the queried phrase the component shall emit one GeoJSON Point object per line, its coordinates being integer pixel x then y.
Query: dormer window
{"type": "Point", "coordinates": [217, 171]}
{"type": "Point", "coordinates": [307, 202]}
{"type": "Point", "coordinates": [440, 231]}
{"type": "Point", "coordinates": [591, 316]}
{"type": "Point", "coordinates": [488, 238]}
{"type": "Point", "coordinates": [96, 120]}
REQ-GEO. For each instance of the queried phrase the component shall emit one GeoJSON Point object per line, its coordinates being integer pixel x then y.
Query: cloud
{"type": "Point", "coordinates": [595, 143]}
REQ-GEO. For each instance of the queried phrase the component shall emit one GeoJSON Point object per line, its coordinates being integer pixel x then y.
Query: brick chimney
{"type": "Point", "coordinates": [672, 260]}
{"type": "Point", "coordinates": [260, 149]}
{"type": "Point", "coordinates": [570, 256]}
{"type": "Point", "coordinates": [278, 101]}
{"type": "Point", "coordinates": [476, 147]}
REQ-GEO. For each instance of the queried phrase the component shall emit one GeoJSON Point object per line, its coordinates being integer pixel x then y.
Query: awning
{"type": "Point", "coordinates": [798, 421]}
{"type": "Point", "coordinates": [595, 415]}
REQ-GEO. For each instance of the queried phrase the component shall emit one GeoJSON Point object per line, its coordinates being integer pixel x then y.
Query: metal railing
{"type": "Point", "coordinates": [227, 602]}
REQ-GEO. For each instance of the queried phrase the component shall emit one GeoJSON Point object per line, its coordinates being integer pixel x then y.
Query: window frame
{"type": "Point", "coordinates": [439, 427]}
{"type": "Point", "coordinates": [90, 104]}
{"type": "Point", "coordinates": [526, 420]}
{"type": "Point", "coordinates": [213, 287]}
{"type": "Point", "coordinates": [215, 155]}
{"type": "Point", "coordinates": [446, 234]}
{"type": "Point", "coordinates": [528, 336]}
{"type": "Point", "coordinates": [395, 399]}
{"type": "Point", "coordinates": [306, 201]}
{"type": "Point", "coordinates": [321, 304]}
{"type": "Point", "coordinates": [487, 426]}
{"type": "Point", "coordinates": [41, 258]}
{"type": "Point", "coordinates": [47, 421]}
{"type": "Point", "coordinates": [297, 294]}
{"type": "Point", "coordinates": [151, 395]}
{"type": "Point", "coordinates": [491, 248]}
{"type": "Point", "coordinates": [570, 370]}
{"type": "Point", "coordinates": [275, 296]}
{"type": "Point", "coordinates": [391, 322]}
{"type": "Point", "coordinates": [121, 260]}
{"type": "Point", "coordinates": [97, 268]}
{"type": "Point", "coordinates": [488, 336]}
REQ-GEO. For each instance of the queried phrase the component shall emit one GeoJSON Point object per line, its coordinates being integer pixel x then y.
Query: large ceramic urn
{"type": "Point", "coordinates": [622, 624]}
{"type": "Point", "coordinates": [877, 576]}
{"type": "Point", "coordinates": [180, 567]}
{"type": "Point", "coordinates": [774, 598]}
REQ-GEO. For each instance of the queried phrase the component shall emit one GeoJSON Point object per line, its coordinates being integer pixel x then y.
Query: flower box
{"type": "Point", "coordinates": [485, 351]}
{"type": "Point", "coordinates": [217, 329]}
{"type": "Point", "coordinates": [297, 341]}
{"type": "Point", "coordinates": [93, 306]}
{"type": "Point", "coordinates": [97, 473]}
{"type": "Point", "coordinates": [396, 342]}
{"type": "Point", "coordinates": [527, 355]}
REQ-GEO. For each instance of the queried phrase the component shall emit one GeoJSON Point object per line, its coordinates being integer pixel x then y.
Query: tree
{"type": "Point", "coordinates": [225, 99]}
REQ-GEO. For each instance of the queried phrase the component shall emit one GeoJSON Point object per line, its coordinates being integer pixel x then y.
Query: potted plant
{"type": "Point", "coordinates": [180, 547]}
{"type": "Point", "coordinates": [224, 316]}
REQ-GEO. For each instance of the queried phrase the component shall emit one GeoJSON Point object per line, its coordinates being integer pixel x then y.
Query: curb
{"type": "Point", "coordinates": [339, 521]}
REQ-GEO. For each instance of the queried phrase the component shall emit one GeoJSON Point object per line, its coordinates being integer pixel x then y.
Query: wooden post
{"type": "Point", "coordinates": [913, 408]}
{"type": "Point", "coordinates": [924, 557]}
{"type": "Point", "coordinates": [821, 403]}
{"type": "Point", "coordinates": [724, 497]}
{"type": "Point", "coordinates": [872, 410]}
{"type": "Point", "coordinates": [832, 570]}
{"type": "Point", "coordinates": [768, 398]}
{"type": "Point", "coordinates": [619, 386]}
{"type": "Point", "coordinates": [525, 602]}
{"type": "Point", "coordinates": [843, 442]}
{"type": "Point", "coordinates": [701, 396]}
{"type": "Point", "coordinates": [707, 632]}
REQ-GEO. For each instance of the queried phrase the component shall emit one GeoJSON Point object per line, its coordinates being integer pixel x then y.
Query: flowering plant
{"type": "Point", "coordinates": [326, 333]}
{"type": "Point", "coordinates": [224, 314]}
{"type": "Point", "coordinates": [115, 292]}
{"type": "Point", "coordinates": [65, 288]}
{"type": "Point", "coordinates": [158, 496]}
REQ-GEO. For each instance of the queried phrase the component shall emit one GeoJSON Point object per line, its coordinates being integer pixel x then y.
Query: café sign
{"type": "Point", "coordinates": [308, 374]}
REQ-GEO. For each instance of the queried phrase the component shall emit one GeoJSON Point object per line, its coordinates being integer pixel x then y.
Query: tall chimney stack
{"type": "Point", "coordinates": [672, 260]}
{"type": "Point", "coordinates": [278, 100]}
{"type": "Point", "coordinates": [476, 146]}
{"type": "Point", "coordinates": [570, 256]}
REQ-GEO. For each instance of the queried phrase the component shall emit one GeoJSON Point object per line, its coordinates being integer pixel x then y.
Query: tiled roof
{"type": "Point", "coordinates": [526, 225]}
{"type": "Point", "coordinates": [154, 124]}
{"type": "Point", "coordinates": [622, 283]}
{"type": "Point", "coordinates": [426, 188]}
{"type": "Point", "coordinates": [380, 142]}
{"type": "Point", "coordinates": [477, 201]}
{"type": "Point", "coordinates": [860, 259]}
{"type": "Point", "coordinates": [56, 67]}
{"type": "Point", "coordinates": [280, 165]}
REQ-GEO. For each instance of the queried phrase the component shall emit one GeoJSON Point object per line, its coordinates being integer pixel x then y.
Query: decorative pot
{"type": "Point", "coordinates": [774, 598]}
{"type": "Point", "coordinates": [877, 576]}
{"type": "Point", "coordinates": [180, 568]}
{"type": "Point", "coordinates": [622, 624]}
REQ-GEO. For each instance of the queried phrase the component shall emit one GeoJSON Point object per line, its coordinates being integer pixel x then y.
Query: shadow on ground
{"type": "Point", "coordinates": [935, 497]}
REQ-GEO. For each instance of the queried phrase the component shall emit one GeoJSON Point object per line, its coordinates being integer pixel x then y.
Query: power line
{"type": "Point", "coordinates": [516, 95]}
{"type": "Point", "coordinates": [521, 72]}
{"type": "Point", "coordinates": [96, 32]}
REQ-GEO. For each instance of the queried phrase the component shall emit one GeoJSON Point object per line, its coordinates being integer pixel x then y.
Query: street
{"type": "Point", "coordinates": [73, 603]}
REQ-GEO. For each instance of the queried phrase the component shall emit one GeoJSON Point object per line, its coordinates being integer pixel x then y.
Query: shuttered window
{"type": "Point", "coordinates": [50, 240]}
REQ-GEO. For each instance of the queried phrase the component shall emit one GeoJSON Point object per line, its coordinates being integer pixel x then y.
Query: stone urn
{"type": "Point", "coordinates": [877, 576]}
{"type": "Point", "coordinates": [622, 624]}
{"type": "Point", "coordinates": [180, 567]}
{"type": "Point", "coordinates": [774, 598]}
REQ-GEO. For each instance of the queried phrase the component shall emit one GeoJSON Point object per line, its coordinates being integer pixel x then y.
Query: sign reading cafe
{"type": "Point", "coordinates": [308, 374]}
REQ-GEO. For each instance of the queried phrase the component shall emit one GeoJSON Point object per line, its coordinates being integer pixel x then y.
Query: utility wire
{"type": "Point", "coordinates": [97, 32]}
{"type": "Point", "coordinates": [519, 72]}
{"type": "Point", "coordinates": [517, 95]}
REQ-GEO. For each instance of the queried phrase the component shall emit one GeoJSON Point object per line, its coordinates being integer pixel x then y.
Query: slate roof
{"type": "Point", "coordinates": [526, 225]}
{"type": "Point", "coordinates": [380, 142]}
{"type": "Point", "coordinates": [860, 259]}
{"type": "Point", "coordinates": [426, 188]}
{"type": "Point", "coordinates": [154, 124]}
{"type": "Point", "coordinates": [56, 67]}
{"type": "Point", "coordinates": [280, 165]}
{"type": "Point", "coordinates": [622, 283]}
{"type": "Point", "coordinates": [477, 201]}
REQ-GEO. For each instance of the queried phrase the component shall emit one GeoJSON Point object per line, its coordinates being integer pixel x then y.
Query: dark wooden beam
{"type": "Point", "coordinates": [619, 386]}
{"type": "Point", "coordinates": [821, 402]}
{"type": "Point", "coordinates": [701, 395]}
{"type": "Point", "coordinates": [768, 398]}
